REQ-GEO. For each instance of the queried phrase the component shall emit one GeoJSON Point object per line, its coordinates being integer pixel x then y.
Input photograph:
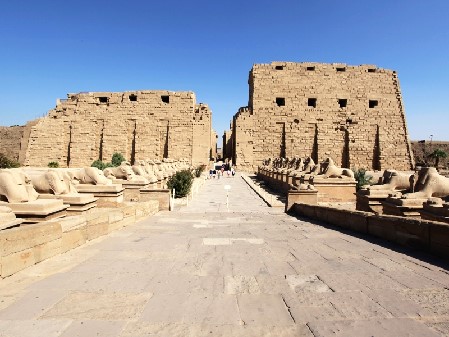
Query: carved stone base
{"type": "Point", "coordinates": [409, 208]}
{"type": "Point", "coordinates": [435, 212]}
{"type": "Point", "coordinates": [335, 189]}
{"type": "Point", "coordinates": [39, 210]}
{"type": "Point", "coordinates": [301, 196]}
{"type": "Point", "coordinates": [8, 219]}
{"type": "Point", "coordinates": [108, 195]}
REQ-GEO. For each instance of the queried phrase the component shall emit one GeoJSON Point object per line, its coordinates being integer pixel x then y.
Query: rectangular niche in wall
{"type": "Point", "coordinates": [311, 102]}
{"type": "Point", "coordinates": [342, 102]}
{"type": "Point", "coordinates": [372, 103]}
{"type": "Point", "coordinates": [165, 98]}
{"type": "Point", "coordinates": [133, 98]}
{"type": "Point", "coordinates": [103, 99]}
{"type": "Point", "coordinates": [280, 101]}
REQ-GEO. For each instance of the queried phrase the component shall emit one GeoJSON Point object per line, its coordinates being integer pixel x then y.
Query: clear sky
{"type": "Point", "coordinates": [51, 48]}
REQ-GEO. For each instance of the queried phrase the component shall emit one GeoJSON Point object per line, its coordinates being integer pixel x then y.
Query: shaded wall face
{"type": "Point", "coordinates": [353, 114]}
{"type": "Point", "coordinates": [138, 125]}
{"type": "Point", "coordinates": [10, 141]}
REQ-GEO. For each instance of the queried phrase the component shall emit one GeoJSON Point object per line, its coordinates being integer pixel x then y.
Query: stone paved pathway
{"type": "Point", "coordinates": [205, 270]}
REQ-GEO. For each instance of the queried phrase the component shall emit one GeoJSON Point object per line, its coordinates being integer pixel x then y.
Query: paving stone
{"type": "Point", "coordinates": [99, 306]}
{"type": "Point", "coordinates": [33, 328]}
{"type": "Point", "coordinates": [264, 309]}
{"type": "Point", "coordinates": [86, 328]}
{"type": "Point", "coordinates": [306, 283]}
{"type": "Point", "coordinates": [401, 327]}
{"type": "Point", "coordinates": [192, 308]}
{"type": "Point", "coordinates": [241, 284]}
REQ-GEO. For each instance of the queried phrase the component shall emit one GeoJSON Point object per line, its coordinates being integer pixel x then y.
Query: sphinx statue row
{"type": "Point", "coordinates": [303, 171]}
{"type": "Point", "coordinates": [46, 191]}
{"type": "Point", "coordinates": [407, 194]}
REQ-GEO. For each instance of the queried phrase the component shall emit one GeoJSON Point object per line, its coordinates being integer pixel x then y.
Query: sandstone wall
{"type": "Point", "coordinates": [352, 113]}
{"type": "Point", "coordinates": [422, 150]}
{"type": "Point", "coordinates": [213, 141]}
{"type": "Point", "coordinates": [10, 141]}
{"type": "Point", "coordinates": [138, 124]}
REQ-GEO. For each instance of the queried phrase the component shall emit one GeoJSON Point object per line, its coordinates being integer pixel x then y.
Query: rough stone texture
{"type": "Point", "coordinates": [369, 132]}
{"type": "Point", "coordinates": [138, 124]}
{"type": "Point", "coordinates": [423, 149]}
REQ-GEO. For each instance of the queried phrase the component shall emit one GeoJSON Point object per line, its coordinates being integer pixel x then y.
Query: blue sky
{"type": "Point", "coordinates": [51, 48]}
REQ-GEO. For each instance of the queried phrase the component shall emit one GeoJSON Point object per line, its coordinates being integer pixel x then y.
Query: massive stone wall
{"type": "Point", "coordinates": [10, 140]}
{"type": "Point", "coordinates": [352, 113]}
{"type": "Point", "coordinates": [137, 124]}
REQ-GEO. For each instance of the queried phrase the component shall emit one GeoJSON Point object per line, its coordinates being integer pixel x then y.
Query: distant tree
{"type": "Point", "coordinates": [117, 159]}
{"type": "Point", "coordinates": [53, 164]}
{"type": "Point", "coordinates": [437, 154]}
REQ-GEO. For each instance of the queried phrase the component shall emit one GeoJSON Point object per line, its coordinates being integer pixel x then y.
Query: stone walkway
{"type": "Point", "coordinates": [242, 270]}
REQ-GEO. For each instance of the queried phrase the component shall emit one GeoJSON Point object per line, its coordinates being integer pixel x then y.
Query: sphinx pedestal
{"type": "Point", "coordinates": [301, 196]}
{"type": "Point", "coordinates": [39, 210]}
{"type": "Point", "coordinates": [435, 212]}
{"type": "Point", "coordinates": [132, 188]}
{"type": "Point", "coordinates": [79, 203]}
{"type": "Point", "coordinates": [371, 200]}
{"type": "Point", "coordinates": [335, 189]}
{"type": "Point", "coordinates": [8, 218]}
{"type": "Point", "coordinates": [409, 208]}
{"type": "Point", "coordinates": [108, 195]}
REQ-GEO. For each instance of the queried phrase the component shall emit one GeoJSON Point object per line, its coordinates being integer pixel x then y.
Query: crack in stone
{"type": "Point", "coordinates": [288, 309]}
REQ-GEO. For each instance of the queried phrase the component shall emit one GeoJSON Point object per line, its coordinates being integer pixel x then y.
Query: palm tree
{"type": "Point", "coordinates": [437, 154]}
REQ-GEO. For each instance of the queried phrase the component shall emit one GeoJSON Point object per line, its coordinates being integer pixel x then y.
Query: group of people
{"type": "Point", "coordinates": [225, 169]}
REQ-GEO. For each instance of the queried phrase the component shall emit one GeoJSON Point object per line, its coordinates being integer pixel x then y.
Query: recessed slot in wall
{"type": "Point", "coordinates": [372, 103]}
{"type": "Point", "coordinates": [279, 67]}
{"type": "Point", "coordinates": [280, 101]}
{"type": "Point", "coordinates": [341, 69]}
{"type": "Point", "coordinates": [133, 98]}
{"type": "Point", "coordinates": [311, 102]}
{"type": "Point", "coordinates": [103, 99]}
{"type": "Point", "coordinates": [342, 102]}
{"type": "Point", "coordinates": [371, 70]}
{"type": "Point", "coordinates": [310, 68]}
{"type": "Point", "coordinates": [165, 98]}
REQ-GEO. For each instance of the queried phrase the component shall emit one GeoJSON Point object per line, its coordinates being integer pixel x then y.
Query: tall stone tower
{"type": "Point", "coordinates": [353, 114]}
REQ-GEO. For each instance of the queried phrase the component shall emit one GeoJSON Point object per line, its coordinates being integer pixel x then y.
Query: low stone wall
{"type": "Point", "coordinates": [430, 236]}
{"type": "Point", "coordinates": [21, 247]}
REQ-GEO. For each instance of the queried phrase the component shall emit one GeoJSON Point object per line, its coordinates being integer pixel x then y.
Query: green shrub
{"type": "Point", "coordinates": [182, 182]}
{"type": "Point", "coordinates": [100, 165]}
{"type": "Point", "coordinates": [53, 164]}
{"type": "Point", "coordinates": [362, 178]}
{"type": "Point", "coordinates": [5, 162]}
{"type": "Point", "coordinates": [199, 170]}
{"type": "Point", "coordinates": [117, 159]}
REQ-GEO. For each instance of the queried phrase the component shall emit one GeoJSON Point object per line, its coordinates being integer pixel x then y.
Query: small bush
{"type": "Point", "coordinates": [5, 162]}
{"type": "Point", "coordinates": [100, 165]}
{"type": "Point", "coordinates": [117, 159]}
{"type": "Point", "coordinates": [53, 164]}
{"type": "Point", "coordinates": [362, 178]}
{"type": "Point", "coordinates": [182, 182]}
{"type": "Point", "coordinates": [199, 170]}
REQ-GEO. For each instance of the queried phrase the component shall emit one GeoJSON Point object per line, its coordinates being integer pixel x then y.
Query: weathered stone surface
{"type": "Point", "coordinates": [352, 113]}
